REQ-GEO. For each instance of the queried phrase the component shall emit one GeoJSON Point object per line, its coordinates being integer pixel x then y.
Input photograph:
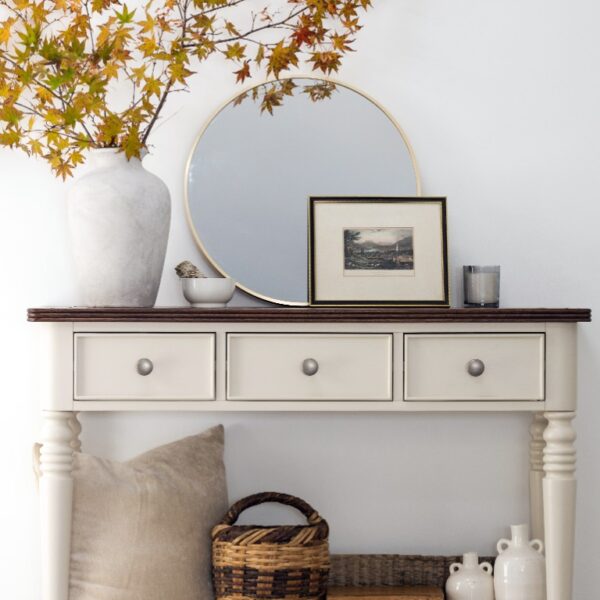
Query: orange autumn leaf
{"type": "Point", "coordinates": [243, 73]}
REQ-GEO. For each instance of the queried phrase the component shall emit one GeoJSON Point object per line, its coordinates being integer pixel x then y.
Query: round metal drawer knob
{"type": "Point", "coordinates": [475, 367]}
{"type": "Point", "coordinates": [310, 366]}
{"type": "Point", "coordinates": [144, 366]}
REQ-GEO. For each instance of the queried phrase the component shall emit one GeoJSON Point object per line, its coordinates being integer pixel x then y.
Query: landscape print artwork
{"type": "Point", "coordinates": [379, 251]}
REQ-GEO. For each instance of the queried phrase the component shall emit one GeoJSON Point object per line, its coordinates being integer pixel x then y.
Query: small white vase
{"type": "Point", "coordinates": [520, 569]}
{"type": "Point", "coordinates": [119, 216]}
{"type": "Point", "coordinates": [470, 580]}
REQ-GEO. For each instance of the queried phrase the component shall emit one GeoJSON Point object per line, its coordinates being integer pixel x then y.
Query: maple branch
{"type": "Point", "coordinates": [131, 78]}
{"type": "Point", "coordinates": [270, 25]}
{"type": "Point", "coordinates": [134, 88]}
{"type": "Point", "coordinates": [132, 106]}
{"type": "Point", "coordinates": [89, 22]}
{"type": "Point", "coordinates": [58, 96]}
{"type": "Point", "coordinates": [42, 85]}
{"type": "Point", "coordinates": [89, 135]}
{"type": "Point", "coordinates": [72, 136]}
{"type": "Point", "coordinates": [156, 113]}
{"type": "Point", "coordinates": [216, 8]}
{"type": "Point", "coordinates": [30, 110]}
{"type": "Point", "coordinates": [12, 9]}
{"type": "Point", "coordinates": [251, 41]}
{"type": "Point", "coordinates": [67, 103]}
{"type": "Point", "coordinates": [184, 22]}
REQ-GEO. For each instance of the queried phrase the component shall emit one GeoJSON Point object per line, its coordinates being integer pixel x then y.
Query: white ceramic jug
{"type": "Point", "coordinates": [470, 580]}
{"type": "Point", "coordinates": [520, 569]}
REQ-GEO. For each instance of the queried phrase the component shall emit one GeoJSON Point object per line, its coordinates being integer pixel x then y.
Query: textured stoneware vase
{"type": "Point", "coordinates": [470, 580]}
{"type": "Point", "coordinates": [119, 217]}
{"type": "Point", "coordinates": [520, 569]}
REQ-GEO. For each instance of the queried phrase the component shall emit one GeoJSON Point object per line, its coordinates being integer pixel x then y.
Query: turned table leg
{"type": "Point", "coordinates": [559, 504]}
{"type": "Point", "coordinates": [59, 438]}
{"type": "Point", "coordinates": [536, 475]}
{"type": "Point", "coordinates": [75, 426]}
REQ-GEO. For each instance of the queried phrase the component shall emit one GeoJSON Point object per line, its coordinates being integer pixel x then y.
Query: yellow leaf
{"type": "Point", "coordinates": [5, 29]}
{"type": "Point", "coordinates": [104, 34]}
{"type": "Point", "coordinates": [260, 55]}
{"type": "Point", "coordinates": [43, 95]}
{"type": "Point", "coordinates": [63, 170]}
{"type": "Point", "coordinates": [36, 147]}
{"type": "Point", "coordinates": [231, 29]}
{"type": "Point", "coordinates": [9, 138]}
{"type": "Point", "coordinates": [148, 24]}
{"type": "Point", "coordinates": [153, 87]}
{"type": "Point", "coordinates": [281, 58]}
{"type": "Point", "coordinates": [132, 144]}
{"type": "Point", "coordinates": [340, 42]}
{"type": "Point", "coordinates": [178, 72]}
{"type": "Point", "coordinates": [138, 73]}
{"type": "Point", "coordinates": [54, 117]}
{"type": "Point", "coordinates": [122, 36]}
{"type": "Point", "coordinates": [235, 51]}
{"type": "Point", "coordinates": [110, 128]}
{"type": "Point", "coordinates": [111, 71]}
{"type": "Point", "coordinates": [77, 158]}
{"type": "Point", "coordinates": [39, 12]}
{"type": "Point", "coordinates": [326, 61]}
{"type": "Point", "coordinates": [62, 143]}
{"type": "Point", "coordinates": [148, 46]}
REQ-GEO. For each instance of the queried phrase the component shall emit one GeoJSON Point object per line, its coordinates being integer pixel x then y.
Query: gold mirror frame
{"type": "Point", "coordinates": [188, 213]}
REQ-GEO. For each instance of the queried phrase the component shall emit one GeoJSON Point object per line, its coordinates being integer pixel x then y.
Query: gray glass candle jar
{"type": "Point", "coordinates": [481, 286]}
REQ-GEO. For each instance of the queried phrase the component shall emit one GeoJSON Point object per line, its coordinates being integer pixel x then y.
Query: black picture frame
{"type": "Point", "coordinates": [312, 251]}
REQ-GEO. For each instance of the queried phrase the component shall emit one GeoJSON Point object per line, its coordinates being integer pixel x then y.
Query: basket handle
{"type": "Point", "coordinates": [312, 516]}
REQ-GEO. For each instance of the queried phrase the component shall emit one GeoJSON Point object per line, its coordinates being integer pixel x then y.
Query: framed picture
{"type": "Point", "coordinates": [378, 251]}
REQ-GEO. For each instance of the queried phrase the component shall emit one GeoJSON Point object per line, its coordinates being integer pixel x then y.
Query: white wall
{"type": "Point", "coordinates": [501, 99]}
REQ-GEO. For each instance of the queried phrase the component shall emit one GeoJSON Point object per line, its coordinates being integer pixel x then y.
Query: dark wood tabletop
{"type": "Point", "coordinates": [176, 314]}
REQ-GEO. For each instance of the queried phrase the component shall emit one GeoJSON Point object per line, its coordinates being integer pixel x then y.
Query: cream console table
{"type": "Point", "coordinates": [317, 359]}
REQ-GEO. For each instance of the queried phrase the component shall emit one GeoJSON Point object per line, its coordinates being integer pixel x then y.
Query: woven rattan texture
{"type": "Point", "coordinates": [392, 569]}
{"type": "Point", "coordinates": [266, 563]}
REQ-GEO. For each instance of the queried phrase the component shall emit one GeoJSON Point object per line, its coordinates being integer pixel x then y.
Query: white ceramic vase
{"type": "Point", "coordinates": [119, 216]}
{"type": "Point", "coordinates": [470, 580]}
{"type": "Point", "coordinates": [520, 569]}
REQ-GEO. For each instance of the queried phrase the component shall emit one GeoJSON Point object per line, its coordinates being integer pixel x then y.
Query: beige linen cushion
{"type": "Point", "coordinates": [141, 529]}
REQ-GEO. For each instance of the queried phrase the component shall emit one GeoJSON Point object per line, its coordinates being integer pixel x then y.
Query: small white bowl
{"type": "Point", "coordinates": [208, 292]}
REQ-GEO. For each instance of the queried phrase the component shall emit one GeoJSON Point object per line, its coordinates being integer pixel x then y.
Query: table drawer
{"type": "Point", "coordinates": [270, 367]}
{"type": "Point", "coordinates": [437, 367]}
{"type": "Point", "coordinates": [182, 366]}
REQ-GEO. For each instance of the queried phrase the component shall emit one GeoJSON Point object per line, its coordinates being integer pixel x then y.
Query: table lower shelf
{"type": "Point", "coordinates": [386, 593]}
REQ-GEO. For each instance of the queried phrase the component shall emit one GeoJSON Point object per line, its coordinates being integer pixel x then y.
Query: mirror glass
{"type": "Point", "coordinates": [255, 165]}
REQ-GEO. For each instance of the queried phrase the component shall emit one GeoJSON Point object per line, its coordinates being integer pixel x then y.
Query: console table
{"type": "Point", "coordinates": [313, 359]}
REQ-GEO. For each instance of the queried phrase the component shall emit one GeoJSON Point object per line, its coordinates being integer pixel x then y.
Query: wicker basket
{"type": "Point", "coordinates": [254, 562]}
{"type": "Point", "coordinates": [392, 569]}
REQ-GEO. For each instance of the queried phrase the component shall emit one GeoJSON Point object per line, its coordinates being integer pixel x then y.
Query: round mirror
{"type": "Point", "coordinates": [256, 164]}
